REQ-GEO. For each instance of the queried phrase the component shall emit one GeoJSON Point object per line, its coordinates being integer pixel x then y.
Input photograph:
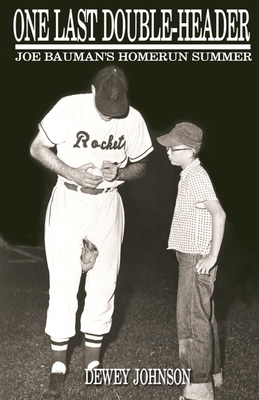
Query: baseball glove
{"type": "Point", "coordinates": [88, 255]}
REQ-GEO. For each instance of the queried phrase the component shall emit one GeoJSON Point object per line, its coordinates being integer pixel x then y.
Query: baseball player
{"type": "Point", "coordinates": [100, 142]}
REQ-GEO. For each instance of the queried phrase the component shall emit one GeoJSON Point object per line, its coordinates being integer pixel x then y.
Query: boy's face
{"type": "Point", "coordinates": [180, 155]}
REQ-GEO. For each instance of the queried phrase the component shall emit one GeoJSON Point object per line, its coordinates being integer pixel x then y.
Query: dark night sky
{"type": "Point", "coordinates": [221, 97]}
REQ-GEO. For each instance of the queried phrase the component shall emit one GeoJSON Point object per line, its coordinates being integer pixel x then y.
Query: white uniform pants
{"type": "Point", "coordinates": [70, 216]}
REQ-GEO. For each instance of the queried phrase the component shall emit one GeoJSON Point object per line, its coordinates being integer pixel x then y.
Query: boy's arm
{"type": "Point", "coordinates": [218, 226]}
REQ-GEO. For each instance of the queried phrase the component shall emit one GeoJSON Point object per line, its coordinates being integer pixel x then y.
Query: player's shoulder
{"type": "Point", "coordinates": [75, 98]}
{"type": "Point", "coordinates": [70, 103]}
{"type": "Point", "coordinates": [134, 115]}
{"type": "Point", "coordinates": [134, 112]}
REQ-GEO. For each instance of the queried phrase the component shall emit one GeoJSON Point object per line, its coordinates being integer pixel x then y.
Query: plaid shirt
{"type": "Point", "coordinates": [191, 229]}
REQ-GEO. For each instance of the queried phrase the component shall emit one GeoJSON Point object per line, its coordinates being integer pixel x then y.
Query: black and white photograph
{"type": "Point", "coordinates": [129, 201]}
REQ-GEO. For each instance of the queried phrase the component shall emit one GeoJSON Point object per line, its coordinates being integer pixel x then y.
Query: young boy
{"type": "Point", "coordinates": [196, 235]}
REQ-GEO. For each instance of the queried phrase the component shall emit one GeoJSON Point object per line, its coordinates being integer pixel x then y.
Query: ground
{"type": "Point", "coordinates": [143, 334]}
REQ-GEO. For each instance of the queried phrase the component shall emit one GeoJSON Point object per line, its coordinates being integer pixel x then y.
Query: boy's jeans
{"type": "Point", "coordinates": [197, 327]}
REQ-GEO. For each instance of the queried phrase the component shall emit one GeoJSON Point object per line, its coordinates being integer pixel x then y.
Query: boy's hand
{"type": "Point", "coordinates": [206, 264]}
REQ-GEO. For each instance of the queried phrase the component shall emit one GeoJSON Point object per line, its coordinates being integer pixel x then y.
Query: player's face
{"type": "Point", "coordinates": [180, 155]}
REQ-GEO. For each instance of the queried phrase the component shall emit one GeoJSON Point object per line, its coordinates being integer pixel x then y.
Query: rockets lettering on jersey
{"type": "Point", "coordinates": [84, 140]}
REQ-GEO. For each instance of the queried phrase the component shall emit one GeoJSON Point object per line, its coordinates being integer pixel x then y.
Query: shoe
{"type": "Point", "coordinates": [88, 376]}
{"type": "Point", "coordinates": [55, 386]}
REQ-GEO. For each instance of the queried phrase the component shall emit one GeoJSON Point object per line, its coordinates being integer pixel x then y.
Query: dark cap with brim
{"type": "Point", "coordinates": [111, 92]}
{"type": "Point", "coordinates": [183, 133]}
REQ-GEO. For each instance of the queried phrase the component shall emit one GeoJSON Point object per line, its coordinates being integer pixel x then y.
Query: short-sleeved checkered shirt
{"type": "Point", "coordinates": [191, 229]}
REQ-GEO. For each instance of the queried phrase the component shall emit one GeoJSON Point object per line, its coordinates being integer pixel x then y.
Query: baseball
{"type": "Point", "coordinates": [95, 171]}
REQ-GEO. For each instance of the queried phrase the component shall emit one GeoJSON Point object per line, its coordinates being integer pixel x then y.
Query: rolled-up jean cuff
{"type": "Point", "coordinates": [199, 391]}
{"type": "Point", "coordinates": [218, 378]}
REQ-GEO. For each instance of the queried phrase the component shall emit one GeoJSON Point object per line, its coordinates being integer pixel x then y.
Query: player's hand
{"type": "Point", "coordinates": [206, 264]}
{"type": "Point", "coordinates": [82, 176]}
{"type": "Point", "coordinates": [109, 171]}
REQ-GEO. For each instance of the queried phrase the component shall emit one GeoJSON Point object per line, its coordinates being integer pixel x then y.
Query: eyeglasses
{"type": "Point", "coordinates": [173, 150]}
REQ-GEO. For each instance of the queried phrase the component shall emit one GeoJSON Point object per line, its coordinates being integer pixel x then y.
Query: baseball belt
{"type": "Point", "coordinates": [87, 190]}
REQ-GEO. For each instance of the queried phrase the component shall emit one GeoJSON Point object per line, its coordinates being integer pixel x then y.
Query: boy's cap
{"type": "Point", "coordinates": [111, 88]}
{"type": "Point", "coordinates": [183, 133]}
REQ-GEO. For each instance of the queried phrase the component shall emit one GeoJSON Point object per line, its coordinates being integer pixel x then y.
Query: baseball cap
{"type": "Point", "coordinates": [183, 133]}
{"type": "Point", "coordinates": [111, 88]}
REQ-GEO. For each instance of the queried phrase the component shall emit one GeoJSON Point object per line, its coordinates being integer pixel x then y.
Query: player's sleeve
{"type": "Point", "coordinates": [139, 144]}
{"type": "Point", "coordinates": [202, 189]}
{"type": "Point", "coordinates": [55, 124]}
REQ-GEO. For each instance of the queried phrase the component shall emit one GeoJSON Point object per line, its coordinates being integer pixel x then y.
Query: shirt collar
{"type": "Point", "coordinates": [191, 167]}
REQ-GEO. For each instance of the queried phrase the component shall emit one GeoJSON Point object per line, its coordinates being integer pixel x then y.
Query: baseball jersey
{"type": "Point", "coordinates": [191, 229]}
{"type": "Point", "coordinates": [81, 136]}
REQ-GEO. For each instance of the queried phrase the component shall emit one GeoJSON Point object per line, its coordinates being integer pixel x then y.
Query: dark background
{"type": "Point", "coordinates": [221, 97]}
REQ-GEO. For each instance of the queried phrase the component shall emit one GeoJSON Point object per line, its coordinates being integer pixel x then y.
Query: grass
{"type": "Point", "coordinates": [143, 334]}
